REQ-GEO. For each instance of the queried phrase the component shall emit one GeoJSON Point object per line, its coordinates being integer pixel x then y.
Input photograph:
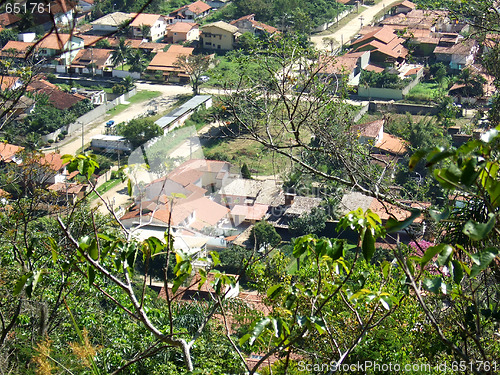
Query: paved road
{"type": "Point", "coordinates": [72, 143]}
{"type": "Point", "coordinates": [346, 32]}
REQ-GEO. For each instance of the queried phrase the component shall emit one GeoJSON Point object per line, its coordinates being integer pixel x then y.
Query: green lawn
{"type": "Point", "coordinates": [108, 185]}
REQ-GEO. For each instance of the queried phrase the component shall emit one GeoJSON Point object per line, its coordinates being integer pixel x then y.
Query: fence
{"type": "Point", "coordinates": [413, 109]}
{"type": "Point", "coordinates": [105, 177]}
{"type": "Point", "coordinates": [90, 116]}
{"type": "Point", "coordinates": [331, 23]}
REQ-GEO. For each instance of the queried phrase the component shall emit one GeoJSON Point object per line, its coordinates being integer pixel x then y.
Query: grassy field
{"type": "Point", "coordinates": [141, 96]}
{"type": "Point", "coordinates": [260, 160]}
{"type": "Point", "coordinates": [426, 92]}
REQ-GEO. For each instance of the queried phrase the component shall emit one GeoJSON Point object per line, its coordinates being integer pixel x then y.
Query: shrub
{"type": "Point", "coordinates": [50, 141]}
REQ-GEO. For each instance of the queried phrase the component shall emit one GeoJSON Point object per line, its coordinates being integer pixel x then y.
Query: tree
{"type": "Point", "coordinates": [264, 234]}
{"type": "Point", "coordinates": [245, 172]}
{"type": "Point", "coordinates": [146, 32]}
{"type": "Point", "coordinates": [473, 83]}
{"type": "Point", "coordinates": [137, 61]}
{"type": "Point", "coordinates": [139, 131]}
{"type": "Point", "coordinates": [195, 66]}
{"type": "Point", "coordinates": [313, 222]}
{"type": "Point", "coordinates": [121, 53]}
{"type": "Point", "coordinates": [6, 35]}
{"type": "Point", "coordinates": [103, 43]}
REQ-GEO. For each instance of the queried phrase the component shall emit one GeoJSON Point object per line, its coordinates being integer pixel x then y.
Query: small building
{"type": "Point", "coordinates": [459, 55]}
{"type": "Point", "coordinates": [166, 62]}
{"type": "Point", "coordinates": [110, 23]}
{"type": "Point", "coordinates": [249, 24]}
{"type": "Point", "coordinates": [59, 49]}
{"type": "Point", "coordinates": [404, 7]}
{"type": "Point", "coordinates": [10, 153]}
{"type": "Point", "coordinates": [68, 193]}
{"type": "Point", "coordinates": [178, 116]}
{"type": "Point", "coordinates": [347, 67]}
{"type": "Point", "coordinates": [110, 144]}
{"type": "Point", "coordinates": [9, 20]}
{"type": "Point", "coordinates": [59, 99]}
{"type": "Point", "coordinates": [384, 45]}
{"type": "Point", "coordinates": [92, 61]}
{"type": "Point", "coordinates": [191, 12]}
{"type": "Point", "coordinates": [157, 26]}
{"type": "Point", "coordinates": [219, 36]}
{"type": "Point", "coordinates": [182, 32]}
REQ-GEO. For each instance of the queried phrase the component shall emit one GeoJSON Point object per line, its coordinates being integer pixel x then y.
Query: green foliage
{"type": "Point", "coordinates": [264, 234]}
{"type": "Point", "coordinates": [139, 131]}
{"type": "Point", "coordinates": [233, 259]}
{"type": "Point", "coordinates": [245, 172]}
{"type": "Point", "coordinates": [6, 35]}
{"type": "Point", "coordinates": [103, 43]}
{"type": "Point", "coordinates": [313, 222]}
{"type": "Point", "coordinates": [384, 79]}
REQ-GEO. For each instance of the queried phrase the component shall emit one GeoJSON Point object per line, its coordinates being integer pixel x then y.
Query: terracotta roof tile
{"type": "Point", "coordinates": [8, 151]}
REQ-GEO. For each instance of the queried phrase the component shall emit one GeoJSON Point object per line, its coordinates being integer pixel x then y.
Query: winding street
{"type": "Point", "coordinates": [346, 32]}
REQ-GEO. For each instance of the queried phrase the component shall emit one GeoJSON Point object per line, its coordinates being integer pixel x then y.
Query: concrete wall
{"type": "Point", "coordinates": [394, 94]}
{"type": "Point", "coordinates": [123, 73]}
{"type": "Point", "coordinates": [414, 109]}
{"type": "Point", "coordinates": [362, 111]}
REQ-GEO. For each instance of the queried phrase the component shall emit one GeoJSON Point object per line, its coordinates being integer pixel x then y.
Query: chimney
{"type": "Point", "coordinates": [289, 199]}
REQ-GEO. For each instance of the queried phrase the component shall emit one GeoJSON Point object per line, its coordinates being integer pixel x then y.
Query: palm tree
{"type": "Point", "coordinates": [146, 31]}
{"type": "Point", "coordinates": [121, 53]}
{"type": "Point", "coordinates": [137, 61]}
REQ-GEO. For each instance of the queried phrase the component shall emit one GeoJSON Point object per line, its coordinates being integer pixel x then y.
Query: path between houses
{"type": "Point", "coordinates": [346, 32]}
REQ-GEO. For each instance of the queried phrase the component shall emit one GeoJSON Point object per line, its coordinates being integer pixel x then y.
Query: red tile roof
{"type": "Point", "coordinates": [21, 47]}
{"type": "Point", "coordinates": [392, 144]}
{"type": "Point", "coordinates": [54, 41]}
{"type": "Point", "coordinates": [58, 98]}
{"type": "Point", "coordinates": [198, 7]}
{"type": "Point", "coordinates": [7, 19]}
{"type": "Point", "coordinates": [166, 61]}
{"type": "Point", "coordinates": [97, 56]}
{"type": "Point", "coordinates": [6, 82]}
{"type": "Point", "coordinates": [8, 151]}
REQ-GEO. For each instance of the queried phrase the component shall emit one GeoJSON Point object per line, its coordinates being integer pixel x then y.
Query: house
{"type": "Point", "coordinates": [347, 67]}
{"type": "Point", "coordinates": [404, 7]}
{"type": "Point", "coordinates": [94, 61]}
{"type": "Point", "coordinates": [207, 174]}
{"type": "Point", "coordinates": [182, 31]}
{"type": "Point", "coordinates": [18, 50]}
{"type": "Point", "coordinates": [18, 109]}
{"type": "Point", "coordinates": [157, 26]}
{"type": "Point", "coordinates": [8, 20]}
{"type": "Point", "coordinates": [219, 36]}
{"type": "Point", "coordinates": [247, 215]}
{"type": "Point", "coordinates": [151, 47]}
{"type": "Point", "coordinates": [248, 192]}
{"type": "Point", "coordinates": [59, 49]}
{"type": "Point", "coordinates": [110, 23]}
{"type": "Point", "coordinates": [249, 24]}
{"type": "Point", "coordinates": [190, 12]}
{"type": "Point", "coordinates": [53, 170]}
{"type": "Point", "coordinates": [68, 192]}
{"type": "Point", "coordinates": [60, 12]}
{"type": "Point", "coordinates": [384, 45]}
{"type": "Point", "coordinates": [166, 63]}
{"type": "Point", "coordinates": [289, 206]}
{"type": "Point", "coordinates": [10, 83]}
{"type": "Point", "coordinates": [10, 153]}
{"type": "Point", "coordinates": [59, 99]}
{"type": "Point", "coordinates": [458, 55]}
{"type": "Point", "coordinates": [372, 133]}
{"type": "Point", "coordinates": [185, 213]}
